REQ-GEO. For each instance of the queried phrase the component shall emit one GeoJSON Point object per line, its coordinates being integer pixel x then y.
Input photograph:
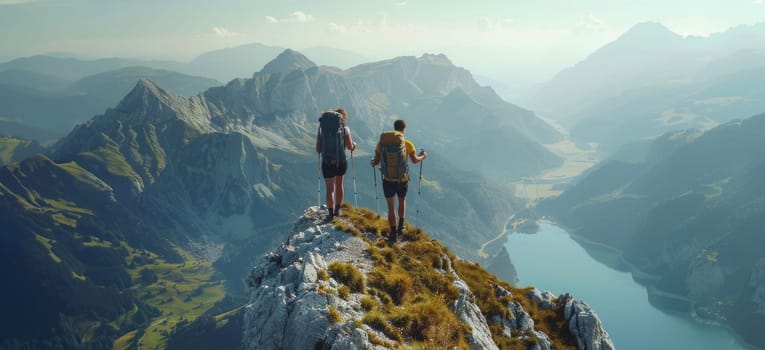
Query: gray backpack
{"type": "Point", "coordinates": [332, 132]}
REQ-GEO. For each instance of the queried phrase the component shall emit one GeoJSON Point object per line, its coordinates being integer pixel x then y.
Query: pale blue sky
{"type": "Point", "coordinates": [537, 35]}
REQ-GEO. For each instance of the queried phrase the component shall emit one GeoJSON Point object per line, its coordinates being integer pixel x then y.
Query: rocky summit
{"type": "Point", "coordinates": [341, 285]}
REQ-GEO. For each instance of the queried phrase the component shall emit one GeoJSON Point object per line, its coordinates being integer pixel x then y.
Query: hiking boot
{"type": "Point", "coordinates": [393, 237]}
{"type": "Point", "coordinates": [337, 210]}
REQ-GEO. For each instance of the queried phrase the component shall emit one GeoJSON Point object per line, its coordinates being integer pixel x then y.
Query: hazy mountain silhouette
{"type": "Point", "coordinates": [74, 69]}
{"type": "Point", "coordinates": [331, 56]}
{"type": "Point", "coordinates": [32, 80]}
{"type": "Point", "coordinates": [33, 102]}
{"type": "Point", "coordinates": [235, 62]}
{"type": "Point", "coordinates": [242, 61]}
{"type": "Point", "coordinates": [650, 81]}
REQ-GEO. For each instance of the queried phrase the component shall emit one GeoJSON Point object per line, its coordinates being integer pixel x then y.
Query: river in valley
{"type": "Point", "coordinates": [552, 260]}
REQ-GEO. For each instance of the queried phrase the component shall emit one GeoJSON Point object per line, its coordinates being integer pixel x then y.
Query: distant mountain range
{"type": "Point", "coordinates": [686, 208]}
{"type": "Point", "coordinates": [651, 80]}
{"type": "Point", "coordinates": [43, 97]}
{"type": "Point", "coordinates": [44, 107]}
{"type": "Point", "coordinates": [243, 61]}
{"type": "Point", "coordinates": [222, 65]}
{"type": "Point", "coordinates": [117, 227]}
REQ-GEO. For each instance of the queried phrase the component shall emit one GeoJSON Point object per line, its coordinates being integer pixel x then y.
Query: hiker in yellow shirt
{"type": "Point", "coordinates": [392, 151]}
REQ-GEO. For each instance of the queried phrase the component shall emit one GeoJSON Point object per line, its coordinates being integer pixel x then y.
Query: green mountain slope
{"type": "Point", "coordinates": [14, 149]}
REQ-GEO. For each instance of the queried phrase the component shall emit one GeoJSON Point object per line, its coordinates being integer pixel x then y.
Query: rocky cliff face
{"type": "Point", "coordinates": [300, 299]}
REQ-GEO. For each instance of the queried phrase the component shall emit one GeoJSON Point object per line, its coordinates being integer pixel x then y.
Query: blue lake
{"type": "Point", "coordinates": [552, 260]}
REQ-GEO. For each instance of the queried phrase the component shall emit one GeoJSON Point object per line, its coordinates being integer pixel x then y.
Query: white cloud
{"type": "Point", "coordinates": [297, 16]}
{"type": "Point", "coordinates": [301, 16]}
{"type": "Point", "coordinates": [402, 3]}
{"type": "Point", "coordinates": [16, 2]}
{"type": "Point", "coordinates": [758, 2]}
{"type": "Point", "coordinates": [591, 23]}
{"type": "Point", "coordinates": [223, 32]}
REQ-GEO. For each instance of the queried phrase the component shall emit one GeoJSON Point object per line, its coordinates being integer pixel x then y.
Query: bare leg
{"type": "Point", "coordinates": [401, 209]}
{"type": "Point", "coordinates": [339, 191]}
{"type": "Point", "coordinates": [391, 211]}
{"type": "Point", "coordinates": [330, 192]}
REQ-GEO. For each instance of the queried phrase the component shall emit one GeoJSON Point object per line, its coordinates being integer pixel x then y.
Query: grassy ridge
{"type": "Point", "coordinates": [407, 294]}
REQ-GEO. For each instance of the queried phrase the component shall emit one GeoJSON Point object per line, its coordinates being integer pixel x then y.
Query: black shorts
{"type": "Point", "coordinates": [331, 170]}
{"type": "Point", "coordinates": [395, 188]}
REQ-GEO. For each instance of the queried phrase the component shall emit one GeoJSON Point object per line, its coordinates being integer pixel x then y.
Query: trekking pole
{"type": "Point", "coordinates": [318, 181]}
{"type": "Point", "coordinates": [377, 198]}
{"type": "Point", "coordinates": [353, 172]}
{"type": "Point", "coordinates": [419, 193]}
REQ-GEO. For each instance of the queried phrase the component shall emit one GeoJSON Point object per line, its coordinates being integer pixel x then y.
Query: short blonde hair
{"type": "Point", "coordinates": [342, 111]}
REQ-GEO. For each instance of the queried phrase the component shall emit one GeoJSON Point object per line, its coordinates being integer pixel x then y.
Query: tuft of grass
{"type": "Point", "coordinates": [369, 303]}
{"type": "Point", "coordinates": [362, 220]}
{"type": "Point", "coordinates": [375, 255]}
{"type": "Point", "coordinates": [349, 275]}
{"type": "Point", "coordinates": [379, 321]}
{"type": "Point", "coordinates": [344, 292]}
{"type": "Point", "coordinates": [374, 339]}
{"type": "Point", "coordinates": [322, 275]}
{"type": "Point", "coordinates": [396, 283]}
{"type": "Point", "coordinates": [333, 315]}
{"type": "Point", "coordinates": [346, 227]}
{"type": "Point", "coordinates": [432, 321]}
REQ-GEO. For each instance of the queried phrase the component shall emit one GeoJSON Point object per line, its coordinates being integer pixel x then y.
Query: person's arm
{"type": "Point", "coordinates": [318, 141]}
{"type": "Point", "coordinates": [410, 149]}
{"type": "Point", "coordinates": [349, 144]}
{"type": "Point", "coordinates": [416, 158]}
{"type": "Point", "coordinates": [376, 159]}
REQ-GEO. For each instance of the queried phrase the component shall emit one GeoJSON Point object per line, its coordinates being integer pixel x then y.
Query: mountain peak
{"type": "Point", "coordinates": [148, 85]}
{"type": "Point", "coordinates": [649, 31]}
{"type": "Point", "coordinates": [144, 91]}
{"type": "Point", "coordinates": [438, 59]}
{"type": "Point", "coordinates": [288, 60]}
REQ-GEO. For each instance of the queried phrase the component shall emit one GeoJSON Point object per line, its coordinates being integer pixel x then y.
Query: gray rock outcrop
{"type": "Point", "coordinates": [289, 304]}
{"type": "Point", "coordinates": [294, 304]}
{"type": "Point", "coordinates": [585, 325]}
